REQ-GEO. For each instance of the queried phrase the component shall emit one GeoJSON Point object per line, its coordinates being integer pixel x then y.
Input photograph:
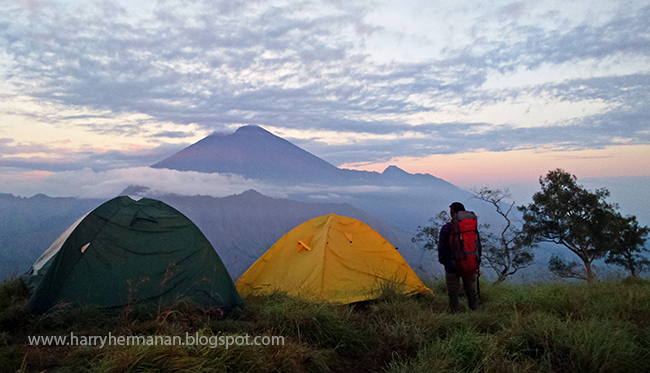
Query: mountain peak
{"type": "Point", "coordinates": [136, 191]}
{"type": "Point", "coordinates": [394, 171]}
{"type": "Point", "coordinates": [254, 153]}
{"type": "Point", "coordinates": [252, 193]}
{"type": "Point", "coordinates": [250, 129]}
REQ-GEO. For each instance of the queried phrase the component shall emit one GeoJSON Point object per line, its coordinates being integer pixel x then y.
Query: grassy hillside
{"type": "Point", "coordinates": [601, 327]}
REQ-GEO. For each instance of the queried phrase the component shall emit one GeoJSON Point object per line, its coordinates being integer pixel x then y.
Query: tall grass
{"type": "Point", "coordinates": [555, 327]}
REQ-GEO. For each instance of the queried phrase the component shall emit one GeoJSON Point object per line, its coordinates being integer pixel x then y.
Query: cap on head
{"type": "Point", "coordinates": [457, 206]}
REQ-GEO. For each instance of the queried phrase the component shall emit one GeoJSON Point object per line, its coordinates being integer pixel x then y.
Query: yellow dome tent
{"type": "Point", "coordinates": [332, 258]}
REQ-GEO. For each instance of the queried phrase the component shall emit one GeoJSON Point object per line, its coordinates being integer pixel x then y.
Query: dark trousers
{"type": "Point", "coordinates": [453, 289]}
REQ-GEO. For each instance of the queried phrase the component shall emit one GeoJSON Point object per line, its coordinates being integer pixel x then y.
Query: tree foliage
{"type": "Point", "coordinates": [429, 234]}
{"type": "Point", "coordinates": [629, 251]}
{"type": "Point", "coordinates": [508, 252]}
{"type": "Point", "coordinates": [565, 213]}
{"type": "Point", "coordinates": [567, 269]}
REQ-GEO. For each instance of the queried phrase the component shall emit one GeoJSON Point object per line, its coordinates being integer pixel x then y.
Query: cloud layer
{"type": "Point", "coordinates": [509, 76]}
{"type": "Point", "coordinates": [87, 183]}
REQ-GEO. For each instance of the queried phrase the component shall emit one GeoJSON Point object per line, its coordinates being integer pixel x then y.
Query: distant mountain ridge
{"type": "Point", "coordinates": [241, 227]}
{"type": "Point", "coordinates": [397, 197]}
{"type": "Point", "coordinates": [256, 153]}
{"type": "Point", "coordinates": [28, 226]}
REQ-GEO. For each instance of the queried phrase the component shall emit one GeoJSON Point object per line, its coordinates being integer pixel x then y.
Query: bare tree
{"type": "Point", "coordinates": [508, 252]}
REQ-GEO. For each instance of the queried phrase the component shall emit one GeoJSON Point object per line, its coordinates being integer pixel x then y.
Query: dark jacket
{"type": "Point", "coordinates": [444, 249]}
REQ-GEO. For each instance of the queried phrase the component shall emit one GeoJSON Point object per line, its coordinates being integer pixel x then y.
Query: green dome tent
{"type": "Point", "coordinates": [130, 251]}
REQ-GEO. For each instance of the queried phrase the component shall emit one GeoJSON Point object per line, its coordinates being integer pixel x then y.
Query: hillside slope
{"type": "Point", "coordinates": [240, 227]}
{"type": "Point", "coordinates": [28, 226]}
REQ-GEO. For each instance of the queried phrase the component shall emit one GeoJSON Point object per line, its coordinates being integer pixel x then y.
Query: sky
{"type": "Point", "coordinates": [477, 93]}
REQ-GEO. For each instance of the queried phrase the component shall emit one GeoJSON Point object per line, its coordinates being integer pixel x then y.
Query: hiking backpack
{"type": "Point", "coordinates": [465, 243]}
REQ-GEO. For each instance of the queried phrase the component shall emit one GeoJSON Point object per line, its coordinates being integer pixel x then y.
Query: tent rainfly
{"type": "Point", "coordinates": [332, 258]}
{"type": "Point", "coordinates": [126, 251]}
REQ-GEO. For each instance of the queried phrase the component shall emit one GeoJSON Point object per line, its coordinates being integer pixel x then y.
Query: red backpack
{"type": "Point", "coordinates": [465, 243]}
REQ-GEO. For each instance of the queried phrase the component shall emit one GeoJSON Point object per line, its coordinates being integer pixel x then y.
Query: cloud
{"type": "Point", "coordinates": [56, 158]}
{"type": "Point", "coordinates": [87, 183]}
{"type": "Point", "coordinates": [594, 132]}
{"type": "Point", "coordinates": [173, 134]}
{"type": "Point", "coordinates": [305, 67]}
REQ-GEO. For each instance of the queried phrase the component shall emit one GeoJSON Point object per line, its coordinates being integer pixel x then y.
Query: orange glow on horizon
{"type": "Point", "coordinates": [26, 175]}
{"type": "Point", "coordinates": [480, 168]}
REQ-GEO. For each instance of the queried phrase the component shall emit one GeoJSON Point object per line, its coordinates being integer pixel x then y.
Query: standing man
{"type": "Point", "coordinates": [452, 274]}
